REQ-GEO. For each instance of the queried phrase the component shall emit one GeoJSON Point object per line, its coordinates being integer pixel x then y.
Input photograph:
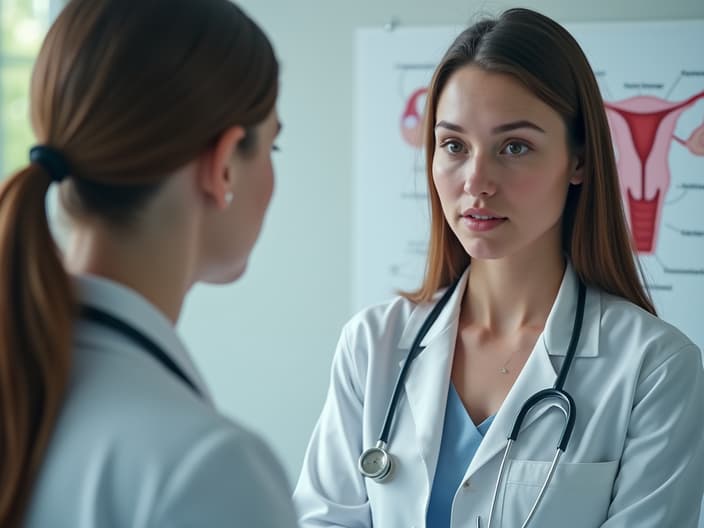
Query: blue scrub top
{"type": "Point", "coordinates": [460, 441]}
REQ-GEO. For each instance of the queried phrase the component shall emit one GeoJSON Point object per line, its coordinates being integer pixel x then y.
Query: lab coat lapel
{"type": "Point", "coordinates": [427, 382]}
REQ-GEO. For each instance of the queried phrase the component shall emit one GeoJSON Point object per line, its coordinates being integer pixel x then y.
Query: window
{"type": "Point", "coordinates": [23, 24]}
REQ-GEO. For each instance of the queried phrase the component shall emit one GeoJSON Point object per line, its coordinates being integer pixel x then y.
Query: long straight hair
{"type": "Point", "coordinates": [127, 94]}
{"type": "Point", "coordinates": [547, 60]}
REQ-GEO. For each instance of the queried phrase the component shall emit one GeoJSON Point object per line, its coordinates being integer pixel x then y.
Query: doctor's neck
{"type": "Point", "coordinates": [155, 255]}
{"type": "Point", "coordinates": [508, 294]}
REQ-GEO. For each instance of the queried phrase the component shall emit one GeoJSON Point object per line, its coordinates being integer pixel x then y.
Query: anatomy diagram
{"type": "Point", "coordinates": [642, 129]}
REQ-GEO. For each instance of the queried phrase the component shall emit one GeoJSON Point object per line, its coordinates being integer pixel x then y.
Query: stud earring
{"type": "Point", "coordinates": [229, 197]}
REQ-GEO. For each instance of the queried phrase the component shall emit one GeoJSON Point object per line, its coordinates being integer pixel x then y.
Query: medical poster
{"type": "Point", "coordinates": [651, 75]}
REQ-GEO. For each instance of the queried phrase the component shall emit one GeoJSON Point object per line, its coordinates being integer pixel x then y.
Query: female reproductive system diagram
{"type": "Point", "coordinates": [643, 133]}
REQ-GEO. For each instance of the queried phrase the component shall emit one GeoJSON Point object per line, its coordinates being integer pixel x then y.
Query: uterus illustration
{"type": "Point", "coordinates": [642, 130]}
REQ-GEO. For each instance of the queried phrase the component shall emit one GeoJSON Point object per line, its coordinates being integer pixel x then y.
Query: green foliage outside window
{"type": "Point", "coordinates": [17, 132]}
{"type": "Point", "coordinates": [23, 24]}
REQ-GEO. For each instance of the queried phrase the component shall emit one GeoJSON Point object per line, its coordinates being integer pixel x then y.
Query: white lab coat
{"type": "Point", "coordinates": [636, 458]}
{"type": "Point", "coordinates": [136, 447]}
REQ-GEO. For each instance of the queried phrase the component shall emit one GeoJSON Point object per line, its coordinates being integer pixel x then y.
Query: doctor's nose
{"type": "Point", "coordinates": [477, 178]}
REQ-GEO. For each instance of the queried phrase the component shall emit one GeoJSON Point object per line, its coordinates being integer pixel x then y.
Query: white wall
{"type": "Point", "coordinates": [265, 343]}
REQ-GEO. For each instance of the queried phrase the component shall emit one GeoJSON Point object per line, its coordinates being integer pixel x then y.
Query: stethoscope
{"type": "Point", "coordinates": [376, 462]}
{"type": "Point", "coordinates": [107, 320]}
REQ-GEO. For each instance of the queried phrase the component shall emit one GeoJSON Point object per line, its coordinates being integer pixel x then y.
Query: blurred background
{"type": "Point", "coordinates": [265, 343]}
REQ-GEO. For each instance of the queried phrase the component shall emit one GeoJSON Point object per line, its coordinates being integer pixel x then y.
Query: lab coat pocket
{"type": "Point", "coordinates": [578, 495]}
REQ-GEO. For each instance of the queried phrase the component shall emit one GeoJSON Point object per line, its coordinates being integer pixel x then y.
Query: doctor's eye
{"type": "Point", "coordinates": [516, 148]}
{"type": "Point", "coordinates": [275, 148]}
{"type": "Point", "coordinates": [452, 147]}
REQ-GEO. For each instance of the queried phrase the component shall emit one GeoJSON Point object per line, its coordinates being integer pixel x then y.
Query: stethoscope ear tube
{"type": "Point", "coordinates": [567, 407]}
{"type": "Point", "coordinates": [574, 339]}
{"type": "Point", "coordinates": [569, 424]}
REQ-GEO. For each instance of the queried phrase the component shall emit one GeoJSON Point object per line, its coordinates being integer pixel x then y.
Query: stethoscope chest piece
{"type": "Point", "coordinates": [376, 463]}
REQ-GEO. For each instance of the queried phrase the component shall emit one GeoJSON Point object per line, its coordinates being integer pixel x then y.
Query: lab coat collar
{"type": "Point", "coordinates": [129, 306]}
{"type": "Point", "coordinates": [449, 316]}
{"type": "Point", "coordinates": [558, 327]}
{"type": "Point", "coordinates": [428, 378]}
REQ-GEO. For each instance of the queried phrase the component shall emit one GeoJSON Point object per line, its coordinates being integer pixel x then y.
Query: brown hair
{"type": "Point", "coordinates": [548, 61]}
{"type": "Point", "coordinates": [127, 92]}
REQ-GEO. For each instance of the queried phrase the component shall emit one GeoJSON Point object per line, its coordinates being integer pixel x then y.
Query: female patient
{"type": "Point", "coordinates": [522, 184]}
{"type": "Point", "coordinates": [156, 118]}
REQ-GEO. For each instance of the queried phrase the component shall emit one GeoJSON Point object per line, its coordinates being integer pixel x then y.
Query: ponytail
{"type": "Point", "coordinates": [98, 96]}
{"type": "Point", "coordinates": [36, 320]}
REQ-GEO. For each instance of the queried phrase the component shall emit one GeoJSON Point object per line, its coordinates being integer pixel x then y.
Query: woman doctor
{"type": "Point", "coordinates": [523, 185]}
{"type": "Point", "coordinates": [156, 120]}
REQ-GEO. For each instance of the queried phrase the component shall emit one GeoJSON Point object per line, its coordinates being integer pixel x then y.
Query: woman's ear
{"type": "Point", "coordinates": [577, 170]}
{"type": "Point", "coordinates": [216, 175]}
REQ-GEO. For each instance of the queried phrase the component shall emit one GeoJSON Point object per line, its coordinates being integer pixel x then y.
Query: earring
{"type": "Point", "coordinates": [229, 197]}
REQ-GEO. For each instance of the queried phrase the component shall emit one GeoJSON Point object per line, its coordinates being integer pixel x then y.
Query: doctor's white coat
{"type": "Point", "coordinates": [135, 447]}
{"type": "Point", "coordinates": [636, 458]}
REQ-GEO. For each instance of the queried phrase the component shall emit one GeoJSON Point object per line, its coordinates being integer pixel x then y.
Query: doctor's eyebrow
{"type": "Point", "coordinates": [450, 126]}
{"type": "Point", "coordinates": [506, 127]}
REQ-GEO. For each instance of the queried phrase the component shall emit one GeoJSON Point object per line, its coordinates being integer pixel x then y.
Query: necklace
{"type": "Point", "coordinates": [504, 369]}
{"type": "Point", "coordinates": [525, 346]}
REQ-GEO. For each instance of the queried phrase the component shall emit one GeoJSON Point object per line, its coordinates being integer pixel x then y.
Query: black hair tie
{"type": "Point", "coordinates": [51, 160]}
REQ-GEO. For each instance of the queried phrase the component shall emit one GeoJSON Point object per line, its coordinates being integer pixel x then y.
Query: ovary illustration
{"type": "Point", "coordinates": [412, 119]}
{"type": "Point", "coordinates": [642, 128]}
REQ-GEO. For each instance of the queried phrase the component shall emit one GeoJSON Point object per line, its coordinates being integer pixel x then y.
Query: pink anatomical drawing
{"type": "Point", "coordinates": [411, 120]}
{"type": "Point", "coordinates": [642, 130]}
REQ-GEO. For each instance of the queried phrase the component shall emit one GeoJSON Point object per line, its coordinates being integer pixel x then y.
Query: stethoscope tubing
{"type": "Point", "coordinates": [413, 353]}
{"type": "Point", "coordinates": [107, 320]}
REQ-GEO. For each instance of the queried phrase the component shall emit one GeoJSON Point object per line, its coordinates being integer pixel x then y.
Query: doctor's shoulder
{"type": "Point", "coordinates": [155, 455]}
{"type": "Point", "coordinates": [216, 473]}
{"type": "Point", "coordinates": [228, 477]}
{"type": "Point", "coordinates": [371, 337]}
{"type": "Point", "coordinates": [641, 338]}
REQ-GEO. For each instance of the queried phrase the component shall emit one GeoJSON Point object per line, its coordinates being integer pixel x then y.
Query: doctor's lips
{"type": "Point", "coordinates": [481, 219]}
